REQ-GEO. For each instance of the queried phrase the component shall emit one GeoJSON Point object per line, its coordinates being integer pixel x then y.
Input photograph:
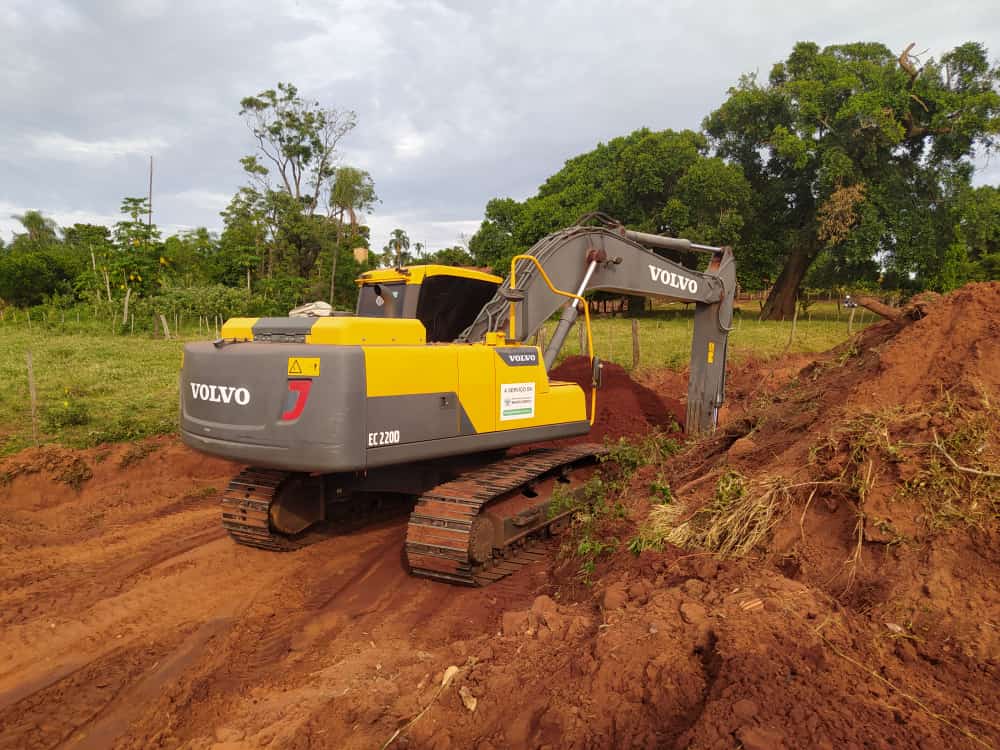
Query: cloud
{"type": "Point", "coordinates": [9, 225]}
{"type": "Point", "coordinates": [457, 102]}
{"type": "Point", "coordinates": [61, 147]}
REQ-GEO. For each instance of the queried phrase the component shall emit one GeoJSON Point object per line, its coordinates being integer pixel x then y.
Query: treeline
{"type": "Point", "coordinates": [850, 166]}
{"type": "Point", "coordinates": [291, 234]}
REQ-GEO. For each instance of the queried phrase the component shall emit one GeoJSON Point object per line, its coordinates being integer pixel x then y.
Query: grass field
{"type": "Point", "coordinates": [95, 387]}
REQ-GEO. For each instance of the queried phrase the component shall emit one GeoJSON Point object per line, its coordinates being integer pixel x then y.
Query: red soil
{"type": "Point", "coordinates": [625, 408]}
{"type": "Point", "coordinates": [868, 619]}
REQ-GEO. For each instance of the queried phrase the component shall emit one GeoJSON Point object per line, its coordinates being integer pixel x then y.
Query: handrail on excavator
{"type": "Point", "coordinates": [560, 292]}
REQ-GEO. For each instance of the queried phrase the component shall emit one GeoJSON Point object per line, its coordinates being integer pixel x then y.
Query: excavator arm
{"type": "Point", "coordinates": [613, 259]}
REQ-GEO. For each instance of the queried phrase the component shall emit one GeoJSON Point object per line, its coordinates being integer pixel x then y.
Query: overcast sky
{"type": "Point", "coordinates": [457, 102]}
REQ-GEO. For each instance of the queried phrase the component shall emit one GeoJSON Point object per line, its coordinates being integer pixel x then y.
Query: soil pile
{"type": "Point", "coordinates": [625, 408]}
{"type": "Point", "coordinates": [867, 613]}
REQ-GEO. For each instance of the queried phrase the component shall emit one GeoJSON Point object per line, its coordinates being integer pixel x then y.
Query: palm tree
{"type": "Point", "coordinates": [399, 242]}
{"type": "Point", "coordinates": [38, 228]}
{"type": "Point", "coordinates": [352, 192]}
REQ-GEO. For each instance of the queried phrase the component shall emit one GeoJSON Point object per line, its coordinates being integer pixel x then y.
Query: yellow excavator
{"type": "Point", "coordinates": [424, 391]}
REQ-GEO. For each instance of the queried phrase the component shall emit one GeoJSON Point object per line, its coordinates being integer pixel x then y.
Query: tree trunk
{"type": "Point", "coordinates": [333, 272]}
{"type": "Point", "coordinates": [780, 304]}
{"type": "Point", "coordinates": [889, 313]}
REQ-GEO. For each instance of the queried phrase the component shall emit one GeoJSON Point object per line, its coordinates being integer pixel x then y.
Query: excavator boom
{"type": "Point", "coordinates": [613, 259]}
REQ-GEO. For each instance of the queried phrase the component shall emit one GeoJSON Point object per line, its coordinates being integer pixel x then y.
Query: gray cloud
{"type": "Point", "coordinates": [458, 102]}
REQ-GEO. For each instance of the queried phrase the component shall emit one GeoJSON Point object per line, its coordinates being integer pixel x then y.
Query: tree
{"type": "Point", "coordinates": [853, 150]}
{"type": "Point", "coordinates": [38, 228]}
{"type": "Point", "coordinates": [653, 181]}
{"type": "Point", "coordinates": [494, 244]}
{"type": "Point", "coordinates": [977, 234]}
{"type": "Point", "coordinates": [395, 250]}
{"type": "Point", "coordinates": [353, 192]}
{"type": "Point", "coordinates": [137, 264]}
{"type": "Point", "coordinates": [293, 176]}
{"type": "Point", "coordinates": [36, 264]}
{"type": "Point", "coordinates": [451, 256]}
{"type": "Point", "coordinates": [296, 139]}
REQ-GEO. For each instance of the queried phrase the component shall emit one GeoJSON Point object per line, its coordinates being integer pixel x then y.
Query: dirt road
{"type": "Point", "coordinates": [127, 614]}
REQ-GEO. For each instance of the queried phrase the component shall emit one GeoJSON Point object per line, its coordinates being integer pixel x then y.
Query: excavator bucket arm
{"type": "Point", "coordinates": [614, 259]}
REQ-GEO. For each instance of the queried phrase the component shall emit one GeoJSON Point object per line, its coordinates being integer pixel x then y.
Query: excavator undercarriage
{"type": "Point", "coordinates": [473, 529]}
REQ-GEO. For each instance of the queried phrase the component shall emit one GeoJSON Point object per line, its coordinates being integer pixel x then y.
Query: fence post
{"type": "Point", "coordinates": [128, 294]}
{"type": "Point", "coordinates": [33, 396]}
{"type": "Point", "coordinates": [635, 343]}
{"type": "Point", "coordinates": [583, 338]}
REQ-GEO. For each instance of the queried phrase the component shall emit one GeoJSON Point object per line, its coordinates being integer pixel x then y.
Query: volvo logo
{"type": "Point", "coordinates": [220, 394]}
{"type": "Point", "coordinates": [671, 279]}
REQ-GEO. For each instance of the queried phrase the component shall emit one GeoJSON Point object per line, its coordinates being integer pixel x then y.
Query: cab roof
{"type": "Point", "coordinates": [417, 274]}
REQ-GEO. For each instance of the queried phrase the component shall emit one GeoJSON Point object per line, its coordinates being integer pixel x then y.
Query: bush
{"type": "Point", "coordinates": [67, 414]}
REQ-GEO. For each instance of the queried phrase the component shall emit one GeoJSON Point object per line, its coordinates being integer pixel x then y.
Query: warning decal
{"type": "Point", "coordinates": [303, 367]}
{"type": "Point", "coordinates": [517, 401]}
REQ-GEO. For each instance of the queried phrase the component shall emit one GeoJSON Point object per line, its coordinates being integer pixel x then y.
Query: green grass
{"type": "Point", "coordinates": [92, 387]}
{"type": "Point", "coordinates": [95, 385]}
{"type": "Point", "coordinates": [665, 335]}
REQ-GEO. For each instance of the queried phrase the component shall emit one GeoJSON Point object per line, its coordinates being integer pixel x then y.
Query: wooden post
{"type": "Point", "coordinates": [541, 338]}
{"type": "Point", "coordinates": [850, 321]}
{"type": "Point", "coordinates": [29, 319]}
{"type": "Point", "coordinates": [166, 329]}
{"type": "Point", "coordinates": [33, 397]}
{"type": "Point", "coordinates": [128, 294]}
{"type": "Point", "coordinates": [635, 343]}
{"type": "Point", "coordinates": [583, 337]}
{"type": "Point", "coordinates": [791, 333]}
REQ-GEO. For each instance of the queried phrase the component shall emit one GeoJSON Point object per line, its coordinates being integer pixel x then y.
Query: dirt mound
{"type": "Point", "coordinates": [866, 614]}
{"type": "Point", "coordinates": [871, 480]}
{"type": "Point", "coordinates": [625, 408]}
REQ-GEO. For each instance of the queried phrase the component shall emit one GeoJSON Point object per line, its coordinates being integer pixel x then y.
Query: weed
{"type": "Point", "coordinates": [136, 453]}
{"type": "Point", "coordinates": [74, 473]}
{"type": "Point", "coordinates": [738, 518]}
{"type": "Point", "coordinates": [68, 413]}
{"type": "Point", "coordinates": [630, 455]}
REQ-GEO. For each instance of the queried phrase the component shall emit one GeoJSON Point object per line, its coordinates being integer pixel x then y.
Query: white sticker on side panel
{"type": "Point", "coordinates": [517, 401]}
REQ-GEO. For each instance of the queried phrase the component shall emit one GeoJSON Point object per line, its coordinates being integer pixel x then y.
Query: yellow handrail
{"type": "Point", "coordinates": [560, 292]}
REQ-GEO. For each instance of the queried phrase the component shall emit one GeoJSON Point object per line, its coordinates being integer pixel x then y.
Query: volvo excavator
{"type": "Point", "coordinates": [428, 390]}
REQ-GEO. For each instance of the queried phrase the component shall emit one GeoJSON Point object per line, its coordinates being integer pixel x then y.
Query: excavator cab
{"type": "Point", "coordinates": [446, 299]}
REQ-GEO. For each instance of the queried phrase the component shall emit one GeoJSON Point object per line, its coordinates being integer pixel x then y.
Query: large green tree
{"type": "Point", "coordinates": [292, 177]}
{"type": "Point", "coordinates": [857, 152]}
{"type": "Point", "coordinates": [36, 264]}
{"type": "Point", "coordinates": [653, 181]}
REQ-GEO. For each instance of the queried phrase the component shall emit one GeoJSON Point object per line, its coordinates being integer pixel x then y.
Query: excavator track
{"type": "Point", "coordinates": [442, 538]}
{"type": "Point", "coordinates": [246, 510]}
